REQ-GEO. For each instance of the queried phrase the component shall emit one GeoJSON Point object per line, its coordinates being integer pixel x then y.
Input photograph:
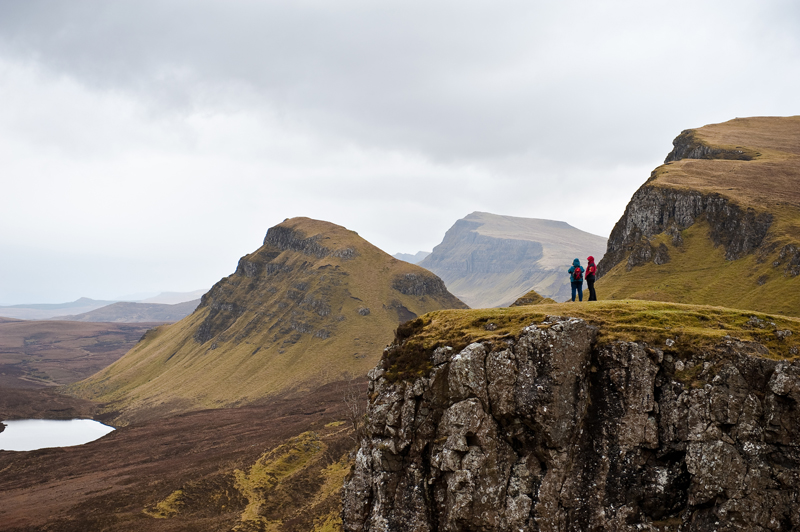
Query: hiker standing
{"type": "Point", "coordinates": [591, 270]}
{"type": "Point", "coordinates": [576, 277]}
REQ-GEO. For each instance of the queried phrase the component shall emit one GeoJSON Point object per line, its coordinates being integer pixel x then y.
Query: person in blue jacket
{"type": "Point", "coordinates": [576, 278]}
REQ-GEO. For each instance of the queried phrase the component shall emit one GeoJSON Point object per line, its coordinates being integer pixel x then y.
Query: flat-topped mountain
{"type": "Point", "coordinates": [314, 304]}
{"type": "Point", "coordinates": [718, 223]}
{"type": "Point", "coordinates": [413, 258]}
{"type": "Point", "coordinates": [489, 260]}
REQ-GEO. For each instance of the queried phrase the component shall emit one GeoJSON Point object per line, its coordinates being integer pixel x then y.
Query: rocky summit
{"type": "Point", "coordinates": [489, 260]}
{"type": "Point", "coordinates": [314, 304]}
{"type": "Point", "coordinates": [718, 223]}
{"type": "Point", "coordinates": [567, 426]}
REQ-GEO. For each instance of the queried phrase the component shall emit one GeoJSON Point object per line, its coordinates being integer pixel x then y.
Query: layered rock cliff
{"type": "Point", "coordinates": [554, 430]}
{"type": "Point", "coordinates": [654, 210]}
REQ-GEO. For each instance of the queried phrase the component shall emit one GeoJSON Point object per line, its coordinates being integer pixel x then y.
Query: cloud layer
{"type": "Point", "coordinates": [161, 139]}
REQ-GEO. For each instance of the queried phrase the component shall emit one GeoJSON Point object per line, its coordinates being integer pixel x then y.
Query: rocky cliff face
{"type": "Point", "coordinates": [654, 210]}
{"type": "Point", "coordinates": [551, 431]}
{"type": "Point", "coordinates": [687, 145]}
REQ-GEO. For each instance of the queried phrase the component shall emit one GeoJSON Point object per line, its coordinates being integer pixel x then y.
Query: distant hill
{"type": "Point", "coordinates": [46, 311]}
{"type": "Point", "coordinates": [173, 298]}
{"type": "Point", "coordinates": [489, 260]}
{"type": "Point", "coordinates": [124, 312]}
{"type": "Point", "coordinates": [314, 304]}
{"type": "Point", "coordinates": [416, 258]}
{"type": "Point", "coordinates": [718, 223]}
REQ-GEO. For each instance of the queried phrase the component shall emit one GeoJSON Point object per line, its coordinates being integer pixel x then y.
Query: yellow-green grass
{"type": "Point", "coordinates": [531, 298]}
{"type": "Point", "coordinates": [690, 327]}
{"type": "Point", "coordinates": [298, 480]}
{"type": "Point", "coordinates": [257, 354]}
{"type": "Point", "coordinates": [699, 273]}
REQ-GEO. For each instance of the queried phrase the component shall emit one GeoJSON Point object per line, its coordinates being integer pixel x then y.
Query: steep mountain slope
{"type": "Point", "coordinates": [127, 312]}
{"type": "Point", "coordinates": [718, 223]}
{"type": "Point", "coordinates": [489, 260]}
{"type": "Point", "coordinates": [314, 303]}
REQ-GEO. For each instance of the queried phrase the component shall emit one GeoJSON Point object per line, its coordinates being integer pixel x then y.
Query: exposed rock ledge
{"type": "Point", "coordinates": [556, 433]}
{"type": "Point", "coordinates": [654, 210]}
{"type": "Point", "coordinates": [688, 146]}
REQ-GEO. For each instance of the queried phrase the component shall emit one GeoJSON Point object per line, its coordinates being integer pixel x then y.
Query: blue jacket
{"type": "Point", "coordinates": [576, 264]}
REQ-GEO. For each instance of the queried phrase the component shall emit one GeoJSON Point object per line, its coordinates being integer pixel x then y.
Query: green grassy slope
{"type": "Point", "coordinates": [315, 303]}
{"type": "Point", "coordinates": [767, 185]}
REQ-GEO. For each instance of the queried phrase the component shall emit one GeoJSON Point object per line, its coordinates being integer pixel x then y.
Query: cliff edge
{"type": "Point", "coordinates": [566, 424]}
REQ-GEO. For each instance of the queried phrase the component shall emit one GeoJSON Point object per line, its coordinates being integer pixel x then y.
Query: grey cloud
{"type": "Point", "coordinates": [452, 80]}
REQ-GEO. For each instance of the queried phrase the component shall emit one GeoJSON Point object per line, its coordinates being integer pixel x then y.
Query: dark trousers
{"type": "Point", "coordinates": [577, 286]}
{"type": "Point", "coordinates": [590, 284]}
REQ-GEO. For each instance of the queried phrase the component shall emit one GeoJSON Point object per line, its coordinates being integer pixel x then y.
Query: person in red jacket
{"type": "Point", "coordinates": [591, 271]}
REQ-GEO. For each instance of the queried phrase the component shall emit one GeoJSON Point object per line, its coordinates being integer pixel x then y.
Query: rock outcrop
{"type": "Point", "coordinates": [531, 298]}
{"type": "Point", "coordinates": [687, 145]}
{"type": "Point", "coordinates": [553, 431]}
{"type": "Point", "coordinates": [654, 210]}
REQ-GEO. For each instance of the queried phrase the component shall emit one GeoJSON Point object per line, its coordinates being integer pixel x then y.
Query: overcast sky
{"type": "Point", "coordinates": [146, 145]}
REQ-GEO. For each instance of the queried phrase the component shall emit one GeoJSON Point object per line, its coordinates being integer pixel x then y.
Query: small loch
{"type": "Point", "coordinates": [33, 434]}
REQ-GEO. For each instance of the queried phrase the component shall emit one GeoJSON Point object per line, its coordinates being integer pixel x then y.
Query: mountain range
{"type": "Point", "coordinates": [128, 312]}
{"type": "Point", "coordinates": [652, 409]}
{"type": "Point", "coordinates": [152, 309]}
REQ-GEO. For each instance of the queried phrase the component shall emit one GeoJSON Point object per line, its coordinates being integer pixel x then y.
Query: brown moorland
{"type": "Point", "coordinates": [36, 357]}
{"type": "Point", "coordinates": [278, 463]}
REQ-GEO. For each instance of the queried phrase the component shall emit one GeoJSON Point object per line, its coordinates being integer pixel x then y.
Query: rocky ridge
{"type": "Point", "coordinates": [552, 430]}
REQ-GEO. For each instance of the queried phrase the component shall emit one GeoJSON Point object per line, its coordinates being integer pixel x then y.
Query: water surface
{"type": "Point", "coordinates": [32, 434]}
